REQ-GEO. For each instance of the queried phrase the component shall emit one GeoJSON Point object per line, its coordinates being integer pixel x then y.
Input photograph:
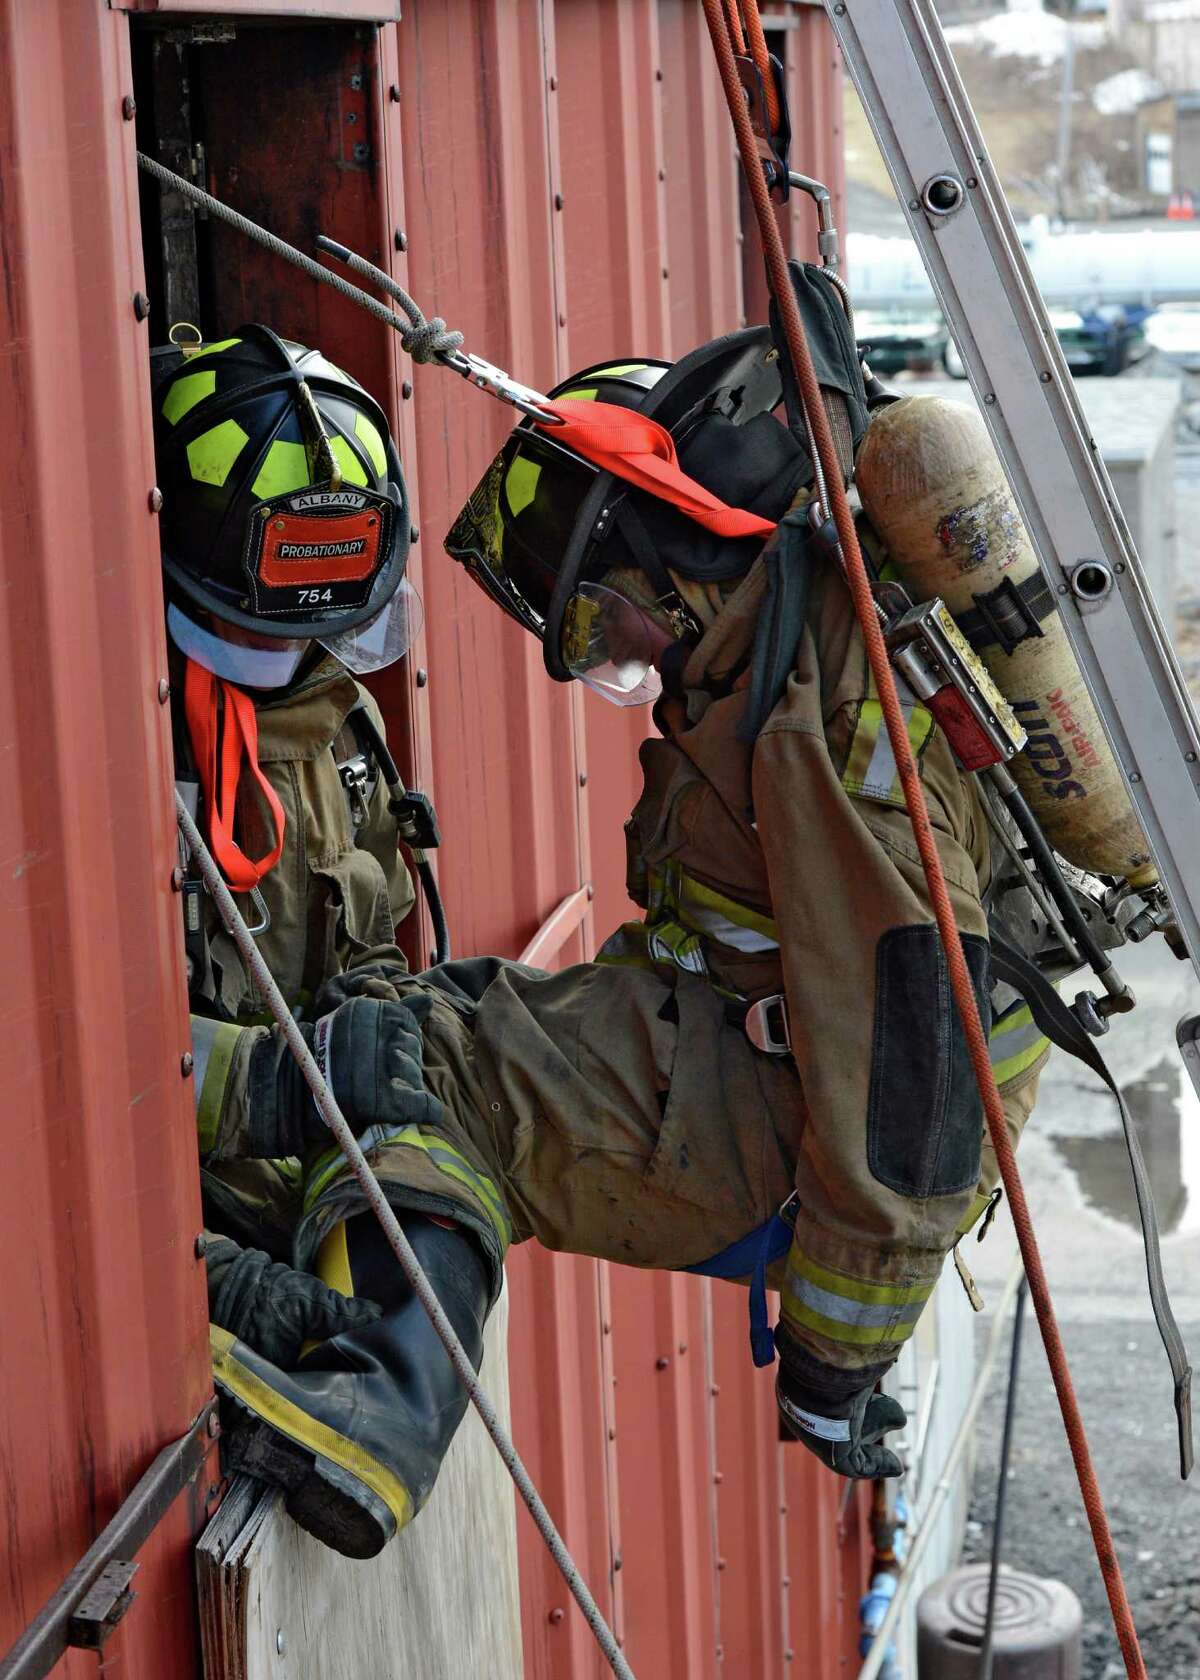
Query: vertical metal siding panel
{"type": "Point", "coordinates": [701, 182]}
{"type": "Point", "coordinates": [102, 1314]}
{"type": "Point", "coordinates": [749, 1497]}
{"type": "Point", "coordinates": [480, 174]}
{"type": "Point", "coordinates": [814, 79]}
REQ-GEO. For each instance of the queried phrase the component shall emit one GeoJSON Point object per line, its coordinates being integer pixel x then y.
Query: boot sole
{"type": "Point", "coordinates": [340, 1495]}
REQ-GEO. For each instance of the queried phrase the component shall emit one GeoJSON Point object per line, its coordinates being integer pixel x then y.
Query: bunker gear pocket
{"type": "Point", "coordinates": [925, 1114]}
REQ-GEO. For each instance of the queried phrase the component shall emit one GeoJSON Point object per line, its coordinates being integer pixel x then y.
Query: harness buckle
{"type": "Point", "coordinates": [767, 1026]}
{"type": "Point", "coordinates": [355, 777]}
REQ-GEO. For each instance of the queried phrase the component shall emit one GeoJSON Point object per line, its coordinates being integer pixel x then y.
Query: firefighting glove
{"type": "Point", "coordinates": [372, 1056]}
{"type": "Point", "coordinates": [273, 1308]}
{"type": "Point", "coordinates": [837, 1415]}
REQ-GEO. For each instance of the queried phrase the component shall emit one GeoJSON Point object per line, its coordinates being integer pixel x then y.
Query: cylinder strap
{"type": "Point", "coordinates": [238, 744]}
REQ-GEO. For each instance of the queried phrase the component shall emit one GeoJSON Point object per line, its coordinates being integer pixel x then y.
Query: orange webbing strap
{"type": "Point", "coordinates": [238, 744]}
{"type": "Point", "coordinates": [642, 452]}
{"type": "Point", "coordinates": [781, 288]}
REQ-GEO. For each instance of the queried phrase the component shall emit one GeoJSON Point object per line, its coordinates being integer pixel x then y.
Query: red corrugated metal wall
{"type": "Point", "coordinates": [561, 176]}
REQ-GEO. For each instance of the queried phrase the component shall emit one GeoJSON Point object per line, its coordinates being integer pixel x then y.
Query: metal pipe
{"type": "Point", "coordinates": [916, 1552]}
{"type": "Point", "coordinates": [987, 1651]}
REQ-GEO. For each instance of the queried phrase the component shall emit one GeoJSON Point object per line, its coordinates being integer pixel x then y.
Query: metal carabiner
{"type": "Point", "coordinates": [486, 376]}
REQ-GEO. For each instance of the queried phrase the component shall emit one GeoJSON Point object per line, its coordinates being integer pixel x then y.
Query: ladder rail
{"type": "Point", "coordinates": [901, 65]}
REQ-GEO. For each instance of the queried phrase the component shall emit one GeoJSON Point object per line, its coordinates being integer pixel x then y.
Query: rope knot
{"type": "Point", "coordinates": [425, 341]}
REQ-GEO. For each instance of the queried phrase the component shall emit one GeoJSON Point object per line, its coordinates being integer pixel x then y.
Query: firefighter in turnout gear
{"type": "Point", "coordinates": [285, 533]}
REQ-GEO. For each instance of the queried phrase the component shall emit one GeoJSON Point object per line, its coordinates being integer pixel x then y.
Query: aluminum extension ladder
{"type": "Point", "coordinates": [901, 66]}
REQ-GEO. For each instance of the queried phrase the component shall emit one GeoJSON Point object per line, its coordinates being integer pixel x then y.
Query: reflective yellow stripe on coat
{"type": "Point", "coordinates": [850, 1310]}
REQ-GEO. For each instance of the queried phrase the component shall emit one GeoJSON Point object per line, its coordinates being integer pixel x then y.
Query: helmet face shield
{"type": "Point", "coordinates": [382, 640]}
{"type": "Point", "coordinates": [611, 645]}
{"type": "Point", "coordinates": [514, 529]}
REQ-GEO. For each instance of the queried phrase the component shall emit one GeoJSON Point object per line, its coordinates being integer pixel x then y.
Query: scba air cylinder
{"type": "Point", "coordinates": [934, 490]}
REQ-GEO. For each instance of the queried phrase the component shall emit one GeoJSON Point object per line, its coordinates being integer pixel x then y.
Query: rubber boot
{"type": "Point", "coordinates": [355, 1436]}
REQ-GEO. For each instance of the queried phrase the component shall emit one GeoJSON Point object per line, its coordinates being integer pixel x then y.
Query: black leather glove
{"type": "Point", "coordinates": [373, 1059]}
{"type": "Point", "coordinates": [836, 1414]}
{"type": "Point", "coordinates": [274, 1308]}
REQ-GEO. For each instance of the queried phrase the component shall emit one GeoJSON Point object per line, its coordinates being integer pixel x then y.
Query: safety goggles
{"type": "Point", "coordinates": [611, 645]}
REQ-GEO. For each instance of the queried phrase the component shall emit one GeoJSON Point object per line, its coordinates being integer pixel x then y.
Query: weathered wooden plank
{"type": "Point", "coordinates": [441, 1601]}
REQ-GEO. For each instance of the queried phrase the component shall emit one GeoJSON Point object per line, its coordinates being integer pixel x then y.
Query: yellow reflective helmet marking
{"type": "Point", "coordinates": [368, 435]}
{"type": "Point", "coordinates": [211, 456]}
{"type": "Point", "coordinates": [185, 393]}
{"type": "Point", "coordinates": [212, 349]}
{"type": "Point", "coordinates": [353, 470]}
{"type": "Point", "coordinates": [285, 467]}
{"type": "Point", "coordinates": [521, 482]}
{"type": "Point", "coordinates": [585, 393]}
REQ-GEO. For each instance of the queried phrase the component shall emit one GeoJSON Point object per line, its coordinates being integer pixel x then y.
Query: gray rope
{"type": "Point", "coordinates": [394, 1231]}
{"type": "Point", "coordinates": [425, 341]}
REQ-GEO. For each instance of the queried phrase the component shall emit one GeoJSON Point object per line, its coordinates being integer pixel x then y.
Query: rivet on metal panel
{"type": "Point", "coordinates": [562, 317]}
{"type": "Point", "coordinates": [164, 691]}
{"type": "Point", "coordinates": [141, 305]}
{"type": "Point", "coordinates": [214, 1425]}
{"type": "Point", "coordinates": [129, 107]}
{"type": "Point", "coordinates": [177, 879]}
{"type": "Point", "coordinates": [186, 1064]}
{"type": "Point", "coordinates": [554, 84]}
{"type": "Point", "coordinates": [618, 1563]}
{"type": "Point", "coordinates": [400, 239]}
{"type": "Point", "coordinates": [356, 81]}
{"type": "Point", "coordinates": [414, 534]}
{"type": "Point", "coordinates": [715, 1390]}
{"type": "Point", "coordinates": [558, 201]}
{"type": "Point", "coordinates": [989, 399]}
{"type": "Point", "coordinates": [913, 203]}
{"type": "Point", "coordinates": [658, 75]}
{"type": "Point", "coordinates": [720, 1563]}
{"type": "Point", "coordinates": [788, 1656]}
{"type": "Point", "coordinates": [718, 1477]}
{"type": "Point", "coordinates": [154, 499]}
{"type": "Point", "coordinates": [394, 94]}
{"type": "Point", "coordinates": [583, 778]}
{"type": "Point", "coordinates": [972, 183]}
{"type": "Point", "coordinates": [661, 1363]}
{"type": "Point", "coordinates": [406, 390]}
{"type": "Point", "coordinates": [606, 1327]}
{"type": "Point", "coordinates": [556, 1616]}
{"type": "Point", "coordinates": [422, 676]}
{"type": "Point", "coordinates": [200, 1246]}
{"type": "Point", "coordinates": [1135, 775]}
{"type": "Point", "coordinates": [683, 1347]}
{"type": "Point", "coordinates": [1190, 757]}
{"type": "Point", "coordinates": [1045, 377]}
{"type": "Point", "coordinates": [280, 1641]}
{"type": "Point", "coordinates": [662, 174]}
{"type": "Point", "coordinates": [362, 152]}
{"type": "Point", "coordinates": [589, 888]}
{"type": "Point", "coordinates": [783, 1510]}
{"type": "Point", "coordinates": [720, 1653]}
{"type": "Point", "coordinates": [786, 1582]}
{"type": "Point", "coordinates": [666, 273]}
{"type": "Point", "coordinates": [351, 117]}
{"type": "Point", "coordinates": [495, 1108]}
{"type": "Point", "coordinates": [612, 1434]}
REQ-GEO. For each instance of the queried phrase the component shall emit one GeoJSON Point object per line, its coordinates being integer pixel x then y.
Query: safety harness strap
{"type": "Point", "coordinates": [749, 1257]}
{"type": "Point", "coordinates": [640, 451]}
{"type": "Point", "coordinates": [238, 744]}
{"type": "Point", "coordinates": [1064, 1029]}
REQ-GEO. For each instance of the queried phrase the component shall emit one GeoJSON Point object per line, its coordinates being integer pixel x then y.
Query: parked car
{"type": "Point", "coordinates": [1105, 340]}
{"type": "Point", "coordinates": [896, 340]}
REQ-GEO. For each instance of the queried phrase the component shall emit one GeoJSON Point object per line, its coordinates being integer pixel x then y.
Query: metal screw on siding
{"type": "Point", "coordinates": [141, 305]}
{"type": "Point", "coordinates": [658, 75]}
{"type": "Point", "coordinates": [351, 117]}
{"type": "Point", "coordinates": [154, 499]}
{"type": "Point", "coordinates": [583, 778]}
{"type": "Point", "coordinates": [990, 399]}
{"type": "Point", "coordinates": [394, 94]}
{"type": "Point", "coordinates": [356, 82]}
{"type": "Point", "coordinates": [715, 1390]}
{"type": "Point", "coordinates": [414, 535]}
{"type": "Point", "coordinates": [361, 152]}
{"type": "Point", "coordinates": [661, 1363]}
{"type": "Point", "coordinates": [718, 1477]}
{"type": "Point", "coordinates": [200, 1246]}
{"type": "Point", "coordinates": [562, 317]}
{"type": "Point", "coordinates": [422, 677]}
{"type": "Point", "coordinates": [186, 1064]}
{"type": "Point", "coordinates": [662, 174]}
{"type": "Point", "coordinates": [129, 107]}
{"type": "Point", "coordinates": [401, 239]}
{"type": "Point", "coordinates": [280, 1642]}
{"type": "Point", "coordinates": [177, 879]}
{"type": "Point", "coordinates": [164, 691]}
{"type": "Point", "coordinates": [558, 201]}
{"type": "Point", "coordinates": [214, 1426]}
{"type": "Point", "coordinates": [683, 1347]}
{"type": "Point", "coordinates": [554, 84]}
{"type": "Point", "coordinates": [618, 1563]}
{"type": "Point", "coordinates": [788, 1655]}
{"type": "Point", "coordinates": [720, 1563]}
{"type": "Point", "coordinates": [406, 390]}
{"type": "Point", "coordinates": [555, 1617]}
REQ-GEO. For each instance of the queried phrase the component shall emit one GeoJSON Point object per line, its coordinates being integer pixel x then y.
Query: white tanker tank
{"type": "Point", "coordinates": [934, 490]}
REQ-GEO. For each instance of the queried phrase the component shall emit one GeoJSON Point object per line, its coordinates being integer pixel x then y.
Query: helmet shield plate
{"type": "Point", "coordinates": [316, 549]}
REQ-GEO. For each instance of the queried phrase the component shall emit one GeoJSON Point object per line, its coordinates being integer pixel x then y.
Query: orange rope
{"type": "Point", "coordinates": [734, 23]}
{"type": "Point", "coordinates": [758, 46]}
{"type": "Point", "coordinates": [964, 995]}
